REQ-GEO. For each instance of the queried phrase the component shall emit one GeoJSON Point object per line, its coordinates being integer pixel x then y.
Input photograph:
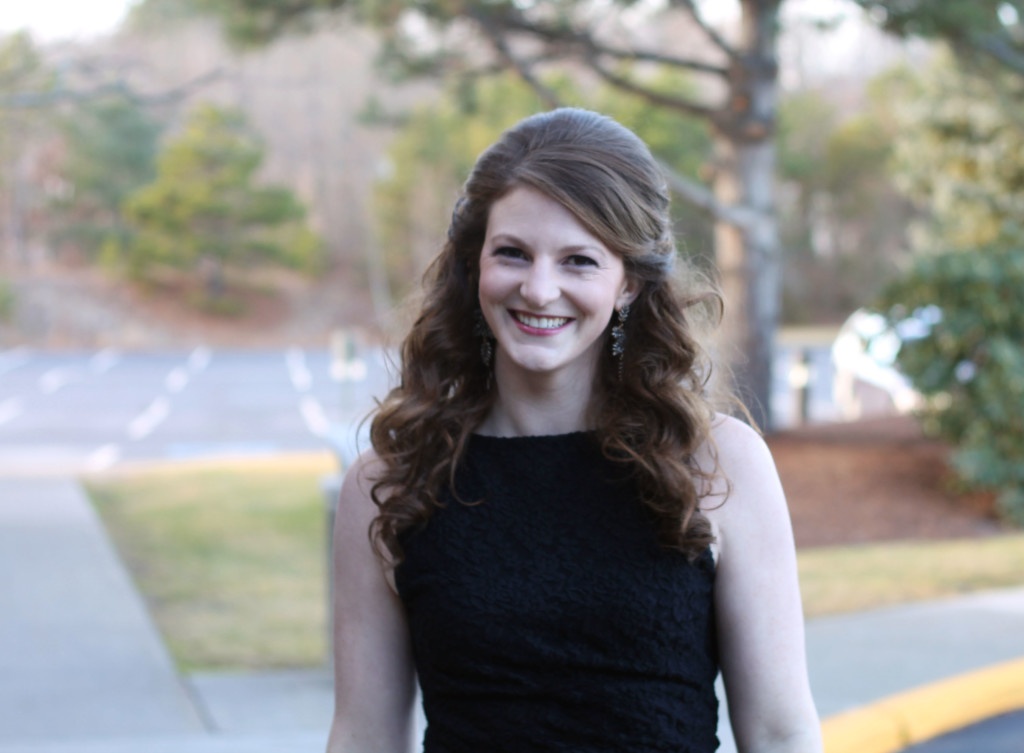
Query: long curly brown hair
{"type": "Point", "coordinates": [653, 419]}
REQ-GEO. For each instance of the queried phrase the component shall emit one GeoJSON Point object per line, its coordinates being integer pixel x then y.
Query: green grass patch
{"type": "Point", "coordinates": [851, 578]}
{"type": "Point", "coordinates": [231, 558]}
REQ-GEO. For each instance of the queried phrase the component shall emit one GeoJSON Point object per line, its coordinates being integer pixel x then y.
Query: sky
{"type": "Point", "coordinates": [56, 19]}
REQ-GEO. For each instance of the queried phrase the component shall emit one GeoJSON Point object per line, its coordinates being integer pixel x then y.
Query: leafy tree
{"type": "Point", "coordinates": [960, 153]}
{"type": "Point", "coordinates": [23, 72]}
{"type": "Point", "coordinates": [111, 148]}
{"type": "Point", "coordinates": [7, 301]}
{"type": "Point", "coordinates": [437, 145]}
{"type": "Point", "coordinates": [842, 217]}
{"type": "Point", "coordinates": [526, 37]}
{"type": "Point", "coordinates": [970, 362]}
{"type": "Point", "coordinates": [205, 211]}
{"type": "Point", "coordinates": [158, 15]}
{"type": "Point", "coordinates": [24, 76]}
{"type": "Point", "coordinates": [983, 32]}
{"type": "Point", "coordinates": [807, 121]}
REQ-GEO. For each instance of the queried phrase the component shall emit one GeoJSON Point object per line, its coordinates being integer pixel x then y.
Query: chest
{"type": "Point", "coordinates": [556, 549]}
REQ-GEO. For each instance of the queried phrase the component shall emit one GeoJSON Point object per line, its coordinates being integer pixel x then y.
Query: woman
{"type": "Point", "coordinates": [567, 543]}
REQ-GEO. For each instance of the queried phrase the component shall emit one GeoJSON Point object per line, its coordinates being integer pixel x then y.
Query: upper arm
{"type": "Point", "coordinates": [757, 601]}
{"type": "Point", "coordinates": [373, 666]}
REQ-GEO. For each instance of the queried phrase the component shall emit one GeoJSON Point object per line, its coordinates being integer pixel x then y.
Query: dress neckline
{"type": "Point", "coordinates": [566, 436]}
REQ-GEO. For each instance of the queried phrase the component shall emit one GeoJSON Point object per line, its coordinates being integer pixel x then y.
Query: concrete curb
{"type": "Point", "coordinates": [905, 719]}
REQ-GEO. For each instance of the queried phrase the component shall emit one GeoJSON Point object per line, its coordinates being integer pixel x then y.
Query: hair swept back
{"type": "Point", "coordinates": [653, 420]}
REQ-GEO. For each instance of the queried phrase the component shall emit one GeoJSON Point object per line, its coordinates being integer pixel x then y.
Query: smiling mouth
{"type": "Point", "coordinates": [540, 322]}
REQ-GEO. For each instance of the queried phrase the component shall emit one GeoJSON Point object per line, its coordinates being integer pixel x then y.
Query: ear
{"type": "Point", "coordinates": [630, 290]}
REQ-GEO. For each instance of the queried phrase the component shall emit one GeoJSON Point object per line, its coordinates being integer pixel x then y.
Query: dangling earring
{"type": "Point", "coordinates": [481, 330]}
{"type": "Point", "coordinates": [619, 336]}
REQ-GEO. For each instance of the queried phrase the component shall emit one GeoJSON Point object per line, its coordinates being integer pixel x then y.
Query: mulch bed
{"type": "Point", "coordinates": [874, 480]}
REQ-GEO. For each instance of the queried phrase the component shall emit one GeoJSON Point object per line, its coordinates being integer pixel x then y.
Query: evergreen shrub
{"type": "Point", "coordinates": [968, 361]}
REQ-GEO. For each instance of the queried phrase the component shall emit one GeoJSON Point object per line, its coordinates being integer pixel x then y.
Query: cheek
{"type": "Point", "coordinates": [492, 287]}
{"type": "Point", "coordinates": [602, 302]}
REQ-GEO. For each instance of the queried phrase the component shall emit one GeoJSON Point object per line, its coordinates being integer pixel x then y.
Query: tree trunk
{"type": "Point", "coordinates": [213, 272]}
{"type": "Point", "coordinates": [747, 244]}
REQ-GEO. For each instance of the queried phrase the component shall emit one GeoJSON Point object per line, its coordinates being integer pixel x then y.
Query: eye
{"type": "Point", "coordinates": [581, 260]}
{"type": "Point", "coordinates": [510, 252]}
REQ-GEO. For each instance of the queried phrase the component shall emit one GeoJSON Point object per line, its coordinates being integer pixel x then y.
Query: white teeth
{"type": "Point", "coordinates": [542, 322]}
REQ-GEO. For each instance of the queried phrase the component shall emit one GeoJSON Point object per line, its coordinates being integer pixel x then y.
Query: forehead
{"type": "Point", "coordinates": [533, 216]}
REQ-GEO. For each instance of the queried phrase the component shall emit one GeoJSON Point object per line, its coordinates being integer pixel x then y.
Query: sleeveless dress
{"type": "Point", "coordinates": [545, 616]}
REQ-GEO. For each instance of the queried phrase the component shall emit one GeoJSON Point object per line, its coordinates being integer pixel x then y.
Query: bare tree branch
{"type": "Point", "coordinates": [180, 92]}
{"type": "Point", "coordinates": [651, 95]}
{"type": "Point", "coordinates": [49, 98]}
{"type": "Point", "coordinates": [711, 32]}
{"type": "Point", "coordinates": [496, 67]}
{"type": "Point", "coordinates": [1003, 51]}
{"type": "Point", "coordinates": [703, 199]}
{"type": "Point", "coordinates": [656, 57]}
{"type": "Point", "coordinates": [500, 44]}
{"type": "Point", "coordinates": [568, 36]}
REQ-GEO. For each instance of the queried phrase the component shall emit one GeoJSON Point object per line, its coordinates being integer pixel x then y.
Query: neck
{"type": "Point", "coordinates": [537, 406]}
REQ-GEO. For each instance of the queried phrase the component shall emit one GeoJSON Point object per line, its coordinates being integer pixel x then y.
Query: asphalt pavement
{"type": "Point", "coordinates": [86, 411]}
{"type": "Point", "coordinates": [83, 669]}
{"type": "Point", "coordinates": [76, 412]}
{"type": "Point", "coordinates": [1000, 734]}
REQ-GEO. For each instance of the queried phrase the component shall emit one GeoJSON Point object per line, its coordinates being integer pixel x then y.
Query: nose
{"type": "Point", "coordinates": [540, 287]}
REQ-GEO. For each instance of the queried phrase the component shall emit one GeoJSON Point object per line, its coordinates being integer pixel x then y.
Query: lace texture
{"type": "Point", "coordinates": [545, 616]}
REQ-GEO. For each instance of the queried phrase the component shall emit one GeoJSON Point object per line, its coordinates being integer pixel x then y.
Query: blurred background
{"type": "Point", "coordinates": [214, 215]}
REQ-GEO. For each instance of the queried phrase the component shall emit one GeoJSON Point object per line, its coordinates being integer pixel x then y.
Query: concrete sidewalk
{"type": "Point", "coordinates": [83, 670]}
{"type": "Point", "coordinates": [79, 656]}
{"type": "Point", "coordinates": [859, 658]}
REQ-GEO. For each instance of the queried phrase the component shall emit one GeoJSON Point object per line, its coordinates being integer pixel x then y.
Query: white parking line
{"type": "Point", "coordinates": [10, 409]}
{"type": "Point", "coordinates": [103, 457]}
{"type": "Point", "coordinates": [54, 379]}
{"type": "Point", "coordinates": [144, 424]}
{"type": "Point", "coordinates": [13, 358]}
{"type": "Point", "coordinates": [157, 411]}
{"type": "Point", "coordinates": [104, 361]}
{"type": "Point", "coordinates": [176, 380]}
{"type": "Point", "coordinates": [199, 359]}
{"type": "Point", "coordinates": [298, 372]}
{"type": "Point", "coordinates": [314, 416]}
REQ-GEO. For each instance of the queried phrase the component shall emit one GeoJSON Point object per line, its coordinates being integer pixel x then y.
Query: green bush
{"type": "Point", "coordinates": [970, 365]}
{"type": "Point", "coordinates": [7, 301]}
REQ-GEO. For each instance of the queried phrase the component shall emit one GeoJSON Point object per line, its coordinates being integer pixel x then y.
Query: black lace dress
{"type": "Point", "coordinates": [547, 617]}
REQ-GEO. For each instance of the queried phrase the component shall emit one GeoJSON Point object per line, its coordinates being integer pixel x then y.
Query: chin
{"type": "Point", "coordinates": [544, 364]}
{"type": "Point", "coordinates": [534, 367]}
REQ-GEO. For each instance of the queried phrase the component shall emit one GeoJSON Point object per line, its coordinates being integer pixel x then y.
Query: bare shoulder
{"type": "Point", "coordinates": [746, 491]}
{"type": "Point", "coordinates": [739, 448]}
{"type": "Point", "coordinates": [358, 483]}
{"type": "Point", "coordinates": [735, 453]}
{"type": "Point", "coordinates": [356, 509]}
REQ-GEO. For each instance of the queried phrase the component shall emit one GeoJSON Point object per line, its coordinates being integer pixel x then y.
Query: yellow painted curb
{"type": "Point", "coordinates": [298, 462]}
{"type": "Point", "coordinates": [904, 719]}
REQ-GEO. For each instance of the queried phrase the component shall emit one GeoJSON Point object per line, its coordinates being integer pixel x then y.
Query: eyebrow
{"type": "Point", "coordinates": [515, 240]}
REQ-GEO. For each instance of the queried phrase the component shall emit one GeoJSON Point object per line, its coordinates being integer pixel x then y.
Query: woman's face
{"type": "Point", "coordinates": [548, 288]}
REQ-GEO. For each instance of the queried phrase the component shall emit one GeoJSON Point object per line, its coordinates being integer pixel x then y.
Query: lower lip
{"type": "Point", "coordinates": [539, 331]}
